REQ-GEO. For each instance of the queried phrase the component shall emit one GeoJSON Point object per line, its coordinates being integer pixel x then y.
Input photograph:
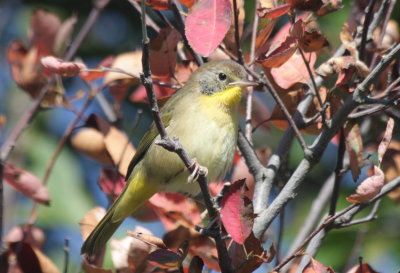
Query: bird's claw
{"type": "Point", "coordinates": [198, 169]}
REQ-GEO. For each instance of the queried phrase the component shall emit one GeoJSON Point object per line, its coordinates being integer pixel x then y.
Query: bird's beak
{"type": "Point", "coordinates": [243, 83]}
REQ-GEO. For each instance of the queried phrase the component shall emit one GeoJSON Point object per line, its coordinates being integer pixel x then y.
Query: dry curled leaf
{"type": "Point", "coordinates": [316, 267]}
{"type": "Point", "coordinates": [387, 137]}
{"type": "Point", "coordinates": [163, 53]}
{"type": "Point", "coordinates": [30, 259]}
{"type": "Point", "coordinates": [130, 62]}
{"type": "Point", "coordinates": [354, 147]}
{"type": "Point", "coordinates": [90, 220]}
{"type": "Point", "coordinates": [104, 143]}
{"type": "Point", "coordinates": [279, 54]}
{"type": "Point", "coordinates": [130, 253]}
{"type": "Point", "coordinates": [391, 167]}
{"type": "Point", "coordinates": [31, 235]}
{"type": "Point", "coordinates": [363, 268]}
{"type": "Point", "coordinates": [26, 183]}
{"type": "Point", "coordinates": [56, 65]}
{"type": "Point", "coordinates": [369, 188]}
{"type": "Point", "coordinates": [148, 239]}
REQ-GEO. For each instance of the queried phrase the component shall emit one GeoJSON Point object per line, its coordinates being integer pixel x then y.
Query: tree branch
{"type": "Point", "coordinates": [290, 190]}
{"type": "Point", "coordinates": [173, 145]}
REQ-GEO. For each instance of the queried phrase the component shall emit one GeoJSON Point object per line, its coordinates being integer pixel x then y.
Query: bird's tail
{"type": "Point", "coordinates": [134, 195]}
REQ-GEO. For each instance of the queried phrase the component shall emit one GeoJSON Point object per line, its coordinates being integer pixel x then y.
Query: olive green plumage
{"type": "Point", "coordinates": [203, 115]}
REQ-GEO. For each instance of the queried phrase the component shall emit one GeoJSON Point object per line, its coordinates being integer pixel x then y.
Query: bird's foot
{"type": "Point", "coordinates": [198, 169]}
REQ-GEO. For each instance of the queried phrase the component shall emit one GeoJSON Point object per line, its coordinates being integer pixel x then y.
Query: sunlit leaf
{"type": "Point", "coordinates": [368, 188]}
{"type": "Point", "coordinates": [207, 23]}
{"type": "Point", "coordinates": [26, 183]}
{"type": "Point", "coordinates": [237, 212]}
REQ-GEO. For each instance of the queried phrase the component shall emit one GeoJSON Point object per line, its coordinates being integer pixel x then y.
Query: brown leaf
{"type": "Point", "coordinates": [148, 239]}
{"type": "Point", "coordinates": [196, 265]}
{"type": "Point", "coordinates": [163, 53]}
{"type": "Point", "coordinates": [313, 41]}
{"type": "Point", "coordinates": [229, 40]}
{"type": "Point", "coordinates": [31, 259]}
{"type": "Point", "coordinates": [387, 137]}
{"type": "Point", "coordinates": [391, 167]}
{"type": "Point", "coordinates": [264, 33]}
{"type": "Point", "coordinates": [90, 268]}
{"type": "Point", "coordinates": [43, 30]}
{"type": "Point", "coordinates": [316, 267]}
{"type": "Point", "coordinates": [369, 188]}
{"type": "Point", "coordinates": [274, 12]}
{"type": "Point", "coordinates": [90, 142]}
{"type": "Point", "coordinates": [104, 143]}
{"type": "Point", "coordinates": [164, 258]}
{"type": "Point", "coordinates": [311, 5]}
{"type": "Point", "coordinates": [391, 36]}
{"type": "Point", "coordinates": [354, 148]}
{"type": "Point", "coordinates": [279, 54]}
{"type": "Point", "coordinates": [63, 36]}
{"type": "Point", "coordinates": [255, 256]}
{"type": "Point", "coordinates": [130, 62]}
{"type": "Point", "coordinates": [177, 236]}
{"type": "Point", "coordinates": [27, 184]}
{"type": "Point", "coordinates": [31, 235]}
{"type": "Point", "coordinates": [204, 247]}
{"type": "Point", "coordinates": [25, 68]}
{"type": "Point", "coordinates": [129, 253]}
{"type": "Point", "coordinates": [90, 220]}
{"type": "Point", "coordinates": [348, 41]}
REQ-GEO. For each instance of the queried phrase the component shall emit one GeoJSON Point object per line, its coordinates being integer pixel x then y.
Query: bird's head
{"type": "Point", "coordinates": [221, 81]}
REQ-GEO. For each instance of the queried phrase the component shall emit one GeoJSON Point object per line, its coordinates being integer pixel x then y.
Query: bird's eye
{"type": "Point", "coordinates": [222, 76]}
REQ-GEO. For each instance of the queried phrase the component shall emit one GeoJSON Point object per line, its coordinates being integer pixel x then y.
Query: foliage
{"type": "Point", "coordinates": [342, 105]}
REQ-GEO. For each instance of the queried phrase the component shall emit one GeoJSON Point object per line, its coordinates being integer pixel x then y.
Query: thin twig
{"type": "Point", "coordinates": [314, 85]}
{"type": "Point", "coordinates": [29, 115]}
{"type": "Point", "coordinates": [59, 148]}
{"type": "Point", "coordinates": [386, 10]}
{"type": "Point", "coordinates": [181, 28]}
{"type": "Point", "coordinates": [250, 90]}
{"type": "Point", "coordinates": [367, 21]}
{"type": "Point", "coordinates": [149, 21]}
{"type": "Point", "coordinates": [263, 221]}
{"type": "Point", "coordinates": [173, 145]}
{"type": "Point", "coordinates": [338, 173]}
{"type": "Point", "coordinates": [288, 117]}
{"type": "Point", "coordinates": [327, 222]}
{"type": "Point", "coordinates": [66, 255]}
{"type": "Point", "coordinates": [237, 38]}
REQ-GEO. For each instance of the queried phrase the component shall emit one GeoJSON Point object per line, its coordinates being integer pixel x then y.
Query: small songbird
{"type": "Point", "coordinates": [203, 115]}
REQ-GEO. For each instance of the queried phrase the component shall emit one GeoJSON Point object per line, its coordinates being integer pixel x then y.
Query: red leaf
{"type": "Point", "coordinates": [111, 182]}
{"type": "Point", "coordinates": [294, 70]}
{"type": "Point", "coordinates": [57, 65]}
{"type": "Point", "coordinates": [368, 188]}
{"type": "Point", "coordinates": [273, 12]}
{"type": "Point", "coordinates": [237, 212]}
{"type": "Point", "coordinates": [161, 92]}
{"type": "Point", "coordinates": [280, 54]}
{"type": "Point", "coordinates": [207, 24]}
{"type": "Point", "coordinates": [27, 184]}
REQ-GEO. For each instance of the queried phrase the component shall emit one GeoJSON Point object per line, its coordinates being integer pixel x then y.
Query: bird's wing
{"type": "Point", "coordinates": [146, 141]}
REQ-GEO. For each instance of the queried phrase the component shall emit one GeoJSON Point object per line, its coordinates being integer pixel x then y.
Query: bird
{"type": "Point", "coordinates": [203, 115]}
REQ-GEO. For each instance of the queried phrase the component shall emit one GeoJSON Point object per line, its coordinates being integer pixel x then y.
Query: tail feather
{"type": "Point", "coordinates": [134, 195]}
